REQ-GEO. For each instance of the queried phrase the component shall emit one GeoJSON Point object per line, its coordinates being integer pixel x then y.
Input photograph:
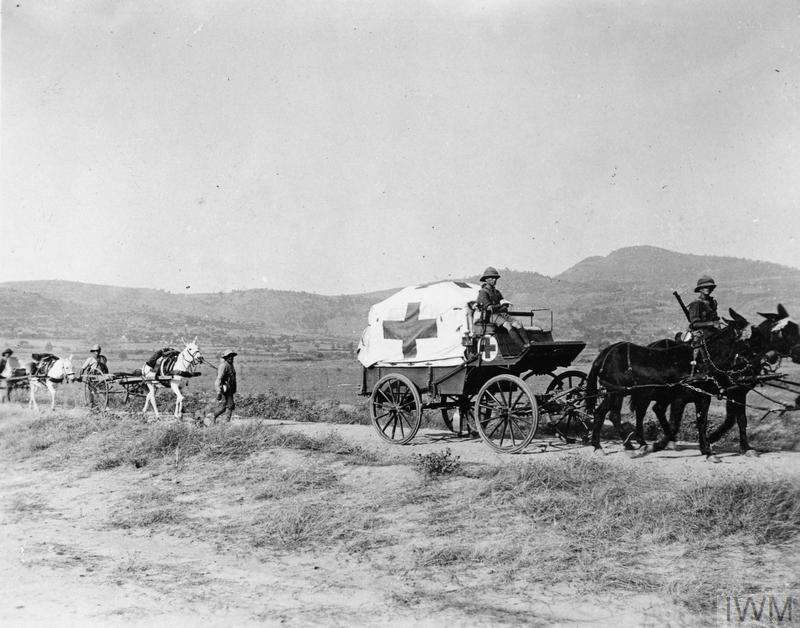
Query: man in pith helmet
{"type": "Point", "coordinates": [95, 362]}
{"type": "Point", "coordinates": [7, 365]}
{"type": "Point", "coordinates": [703, 315]}
{"type": "Point", "coordinates": [225, 385]}
{"type": "Point", "coordinates": [495, 308]}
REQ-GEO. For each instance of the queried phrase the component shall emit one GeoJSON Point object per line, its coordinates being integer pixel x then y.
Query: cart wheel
{"type": "Point", "coordinates": [506, 413]}
{"type": "Point", "coordinates": [117, 396]}
{"type": "Point", "coordinates": [95, 390]}
{"type": "Point", "coordinates": [564, 403]}
{"type": "Point", "coordinates": [395, 408]}
{"type": "Point", "coordinates": [19, 392]}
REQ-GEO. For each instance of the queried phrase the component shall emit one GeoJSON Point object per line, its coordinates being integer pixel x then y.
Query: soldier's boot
{"type": "Point", "coordinates": [517, 338]}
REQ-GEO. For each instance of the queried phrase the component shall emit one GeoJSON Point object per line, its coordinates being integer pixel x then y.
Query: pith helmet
{"type": "Point", "coordinates": [95, 348]}
{"type": "Point", "coordinates": [228, 353]}
{"type": "Point", "coordinates": [489, 272]}
{"type": "Point", "coordinates": [7, 352]}
{"type": "Point", "coordinates": [705, 282]}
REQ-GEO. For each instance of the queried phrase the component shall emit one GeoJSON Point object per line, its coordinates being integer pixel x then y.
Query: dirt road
{"type": "Point", "coordinates": [167, 543]}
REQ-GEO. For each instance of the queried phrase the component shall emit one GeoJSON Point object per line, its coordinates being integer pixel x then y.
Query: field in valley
{"type": "Point", "coordinates": [298, 512]}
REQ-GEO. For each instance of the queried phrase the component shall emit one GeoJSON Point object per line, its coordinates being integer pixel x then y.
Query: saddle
{"type": "Point", "coordinates": [42, 363]}
{"type": "Point", "coordinates": [166, 363]}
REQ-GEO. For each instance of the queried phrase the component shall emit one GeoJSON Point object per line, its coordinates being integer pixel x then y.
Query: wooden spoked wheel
{"type": "Point", "coordinates": [19, 391]}
{"type": "Point", "coordinates": [564, 405]}
{"type": "Point", "coordinates": [95, 389]}
{"type": "Point", "coordinates": [395, 408]}
{"type": "Point", "coordinates": [506, 414]}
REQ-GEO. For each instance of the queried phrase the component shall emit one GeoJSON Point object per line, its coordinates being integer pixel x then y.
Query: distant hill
{"type": "Point", "coordinates": [624, 295]}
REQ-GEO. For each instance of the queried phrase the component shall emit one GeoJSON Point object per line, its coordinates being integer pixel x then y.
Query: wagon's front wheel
{"type": "Point", "coordinates": [565, 404]}
{"type": "Point", "coordinates": [506, 414]}
{"type": "Point", "coordinates": [395, 408]}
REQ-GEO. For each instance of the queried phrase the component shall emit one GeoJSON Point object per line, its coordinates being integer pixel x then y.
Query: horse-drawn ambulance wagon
{"type": "Point", "coordinates": [430, 347]}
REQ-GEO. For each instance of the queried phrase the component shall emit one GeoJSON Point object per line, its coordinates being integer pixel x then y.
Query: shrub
{"type": "Point", "coordinates": [438, 463]}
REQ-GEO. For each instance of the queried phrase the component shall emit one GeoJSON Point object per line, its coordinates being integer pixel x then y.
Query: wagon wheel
{"type": "Point", "coordinates": [118, 395]}
{"type": "Point", "coordinates": [506, 413]}
{"type": "Point", "coordinates": [395, 408]}
{"type": "Point", "coordinates": [135, 393]}
{"type": "Point", "coordinates": [19, 391]}
{"type": "Point", "coordinates": [564, 403]}
{"type": "Point", "coordinates": [95, 389]}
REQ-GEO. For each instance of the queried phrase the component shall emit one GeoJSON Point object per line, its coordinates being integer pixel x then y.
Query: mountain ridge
{"type": "Point", "coordinates": [626, 294]}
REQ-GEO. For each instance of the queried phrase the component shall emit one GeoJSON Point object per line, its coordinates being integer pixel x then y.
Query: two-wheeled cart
{"type": "Point", "coordinates": [119, 391]}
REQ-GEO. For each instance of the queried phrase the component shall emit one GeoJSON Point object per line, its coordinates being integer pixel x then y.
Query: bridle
{"type": "Point", "coordinates": [193, 356]}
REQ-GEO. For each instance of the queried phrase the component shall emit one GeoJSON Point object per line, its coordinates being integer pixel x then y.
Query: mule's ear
{"type": "Point", "coordinates": [183, 340]}
{"type": "Point", "coordinates": [768, 315]}
{"type": "Point", "coordinates": [739, 321]}
{"type": "Point", "coordinates": [782, 313]}
{"type": "Point", "coordinates": [70, 357]}
{"type": "Point", "coordinates": [195, 340]}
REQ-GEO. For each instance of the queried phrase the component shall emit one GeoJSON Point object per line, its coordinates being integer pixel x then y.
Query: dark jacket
{"type": "Point", "coordinates": [226, 378]}
{"type": "Point", "coordinates": [703, 313]}
{"type": "Point", "coordinates": [489, 299]}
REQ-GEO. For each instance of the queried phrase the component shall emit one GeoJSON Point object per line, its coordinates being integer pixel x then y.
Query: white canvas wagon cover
{"type": "Point", "coordinates": [419, 325]}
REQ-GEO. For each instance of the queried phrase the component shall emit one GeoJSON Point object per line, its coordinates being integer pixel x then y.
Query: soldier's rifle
{"type": "Point", "coordinates": [683, 306]}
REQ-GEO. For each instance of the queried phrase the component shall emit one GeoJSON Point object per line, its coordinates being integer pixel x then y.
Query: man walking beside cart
{"type": "Point", "coordinates": [7, 366]}
{"type": "Point", "coordinates": [495, 309]}
{"type": "Point", "coordinates": [96, 362]}
{"type": "Point", "coordinates": [225, 386]}
{"type": "Point", "coordinates": [94, 366]}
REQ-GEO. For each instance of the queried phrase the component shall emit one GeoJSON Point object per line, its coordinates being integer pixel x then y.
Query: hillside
{"type": "Point", "coordinates": [626, 294]}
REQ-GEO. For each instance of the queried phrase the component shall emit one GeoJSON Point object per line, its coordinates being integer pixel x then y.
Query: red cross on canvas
{"type": "Point", "coordinates": [410, 329]}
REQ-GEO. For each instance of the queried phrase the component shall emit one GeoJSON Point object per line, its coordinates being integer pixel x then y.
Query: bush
{"type": "Point", "coordinates": [438, 463]}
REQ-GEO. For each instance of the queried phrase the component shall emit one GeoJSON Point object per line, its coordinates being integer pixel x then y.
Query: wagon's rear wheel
{"type": "Point", "coordinates": [506, 413]}
{"type": "Point", "coordinates": [95, 389]}
{"type": "Point", "coordinates": [395, 408]}
{"type": "Point", "coordinates": [564, 404]}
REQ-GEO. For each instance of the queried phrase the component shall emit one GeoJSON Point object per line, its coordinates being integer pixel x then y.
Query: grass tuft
{"type": "Point", "coordinates": [438, 463]}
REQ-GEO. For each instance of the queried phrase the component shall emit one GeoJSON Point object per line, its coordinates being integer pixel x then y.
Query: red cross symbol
{"type": "Point", "coordinates": [489, 348]}
{"type": "Point", "coordinates": [410, 329]}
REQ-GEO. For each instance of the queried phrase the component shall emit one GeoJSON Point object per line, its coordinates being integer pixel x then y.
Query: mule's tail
{"type": "Point", "coordinates": [592, 379]}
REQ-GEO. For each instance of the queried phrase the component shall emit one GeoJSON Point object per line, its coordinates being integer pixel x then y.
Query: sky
{"type": "Point", "coordinates": [342, 147]}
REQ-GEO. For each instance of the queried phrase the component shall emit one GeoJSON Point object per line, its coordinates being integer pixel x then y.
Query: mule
{"type": "Point", "coordinates": [775, 337]}
{"type": "Point", "coordinates": [46, 372]}
{"type": "Point", "coordinates": [658, 373]}
{"type": "Point", "coordinates": [781, 338]}
{"type": "Point", "coordinates": [172, 372]}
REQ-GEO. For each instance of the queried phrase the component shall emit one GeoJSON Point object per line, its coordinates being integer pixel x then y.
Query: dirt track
{"type": "Point", "coordinates": [62, 561]}
{"type": "Point", "coordinates": [687, 461]}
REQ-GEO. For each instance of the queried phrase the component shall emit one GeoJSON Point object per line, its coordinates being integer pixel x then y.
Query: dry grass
{"type": "Point", "coordinates": [588, 524]}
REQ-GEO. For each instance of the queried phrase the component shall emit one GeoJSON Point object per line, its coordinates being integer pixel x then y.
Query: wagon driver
{"type": "Point", "coordinates": [226, 386]}
{"type": "Point", "coordinates": [495, 308]}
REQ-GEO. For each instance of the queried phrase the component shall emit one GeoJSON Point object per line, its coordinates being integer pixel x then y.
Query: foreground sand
{"type": "Point", "coordinates": [167, 543]}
